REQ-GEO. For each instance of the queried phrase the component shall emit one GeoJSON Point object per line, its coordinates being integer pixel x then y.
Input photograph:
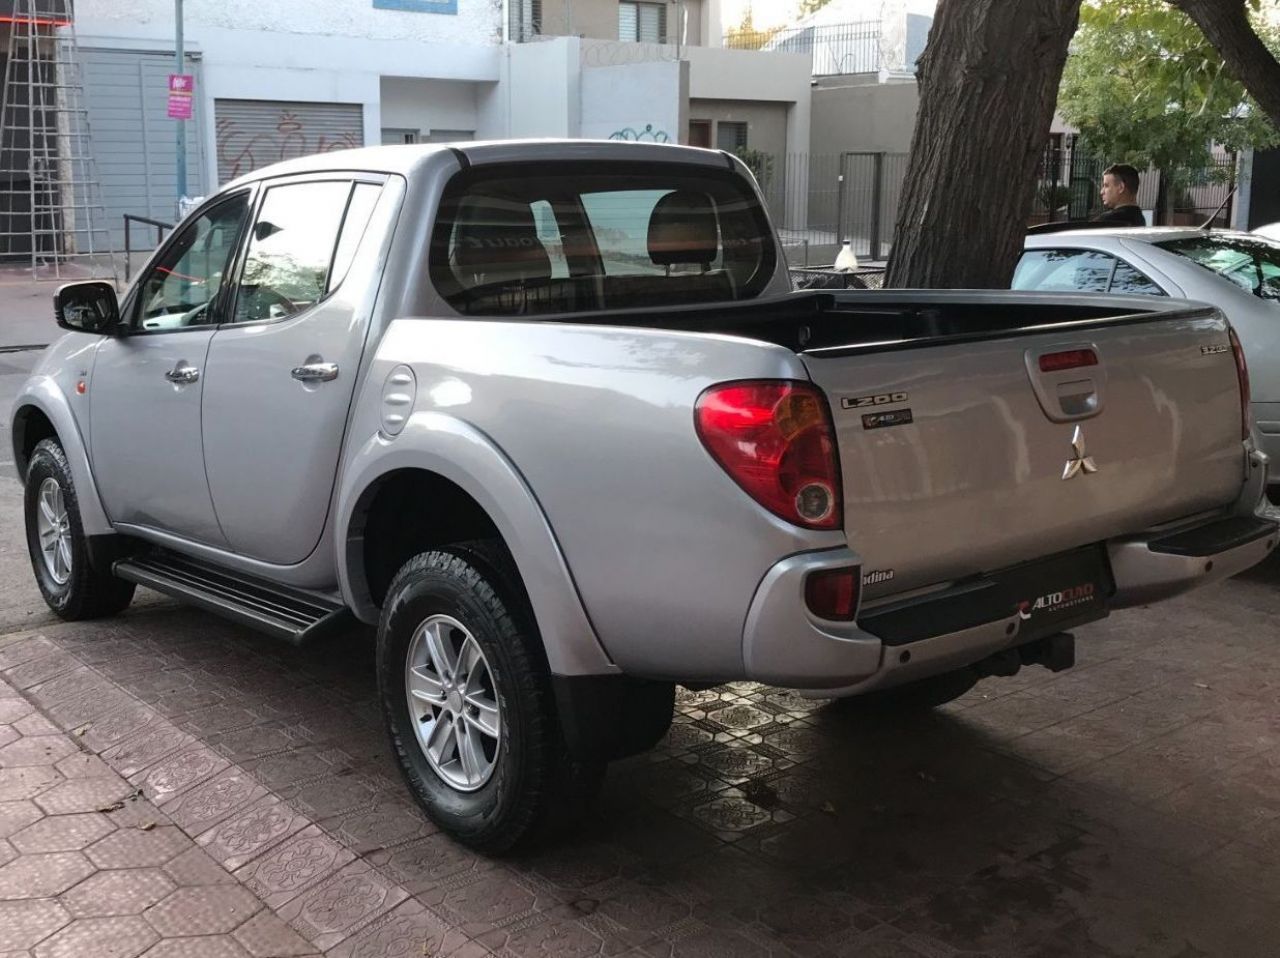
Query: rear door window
{"type": "Point", "coordinates": [1127, 279]}
{"type": "Point", "coordinates": [575, 236]}
{"type": "Point", "coordinates": [291, 249]}
{"type": "Point", "coordinates": [1068, 270]}
{"type": "Point", "coordinates": [359, 210]}
{"type": "Point", "coordinates": [1080, 271]}
{"type": "Point", "coordinates": [1252, 263]}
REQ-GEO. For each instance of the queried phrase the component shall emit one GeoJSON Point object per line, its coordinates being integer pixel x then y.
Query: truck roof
{"type": "Point", "coordinates": [405, 160]}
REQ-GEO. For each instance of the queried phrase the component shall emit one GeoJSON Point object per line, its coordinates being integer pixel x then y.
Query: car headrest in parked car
{"type": "Point", "coordinates": [683, 230]}
{"type": "Point", "coordinates": [497, 242]}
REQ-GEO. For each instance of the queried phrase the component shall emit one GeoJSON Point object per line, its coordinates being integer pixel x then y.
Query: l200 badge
{"type": "Point", "coordinates": [870, 402]}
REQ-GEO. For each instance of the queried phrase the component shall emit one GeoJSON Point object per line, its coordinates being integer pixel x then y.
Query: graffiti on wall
{"type": "Point", "coordinates": [240, 151]}
{"type": "Point", "coordinates": [647, 135]}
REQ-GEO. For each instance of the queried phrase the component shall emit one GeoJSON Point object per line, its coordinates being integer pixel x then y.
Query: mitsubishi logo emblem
{"type": "Point", "coordinates": [1080, 462]}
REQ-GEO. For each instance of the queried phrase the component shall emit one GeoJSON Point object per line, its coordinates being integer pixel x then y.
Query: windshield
{"type": "Point", "coordinates": [1251, 263]}
{"type": "Point", "coordinates": [579, 236]}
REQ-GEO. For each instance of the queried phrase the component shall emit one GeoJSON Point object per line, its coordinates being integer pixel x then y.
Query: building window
{"type": "Point", "coordinates": [731, 135]}
{"type": "Point", "coordinates": [449, 136]}
{"type": "Point", "coordinates": [700, 133]}
{"type": "Point", "coordinates": [418, 6]}
{"type": "Point", "coordinates": [525, 19]}
{"type": "Point", "coordinates": [642, 22]}
{"type": "Point", "coordinates": [393, 136]}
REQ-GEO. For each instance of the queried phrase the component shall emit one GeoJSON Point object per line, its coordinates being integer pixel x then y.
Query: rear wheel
{"type": "Point", "coordinates": [72, 585]}
{"type": "Point", "coordinates": [467, 698]}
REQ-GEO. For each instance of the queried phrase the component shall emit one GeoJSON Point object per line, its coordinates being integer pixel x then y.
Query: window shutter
{"type": "Point", "coordinates": [628, 21]}
{"type": "Point", "coordinates": [652, 25]}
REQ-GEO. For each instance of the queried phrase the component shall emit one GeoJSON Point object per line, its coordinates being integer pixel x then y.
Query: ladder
{"type": "Point", "coordinates": [52, 212]}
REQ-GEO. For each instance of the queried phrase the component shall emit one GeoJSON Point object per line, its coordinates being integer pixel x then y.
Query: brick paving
{"type": "Point", "coordinates": [171, 785]}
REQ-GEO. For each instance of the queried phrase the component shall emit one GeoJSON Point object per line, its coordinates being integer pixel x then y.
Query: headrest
{"type": "Point", "coordinates": [683, 230]}
{"type": "Point", "coordinates": [497, 242]}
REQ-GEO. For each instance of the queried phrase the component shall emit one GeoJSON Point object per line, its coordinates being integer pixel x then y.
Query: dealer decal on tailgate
{"type": "Point", "coordinates": [1058, 601]}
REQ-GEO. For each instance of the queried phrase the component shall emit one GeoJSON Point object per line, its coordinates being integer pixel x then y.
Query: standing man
{"type": "Point", "coordinates": [1120, 197]}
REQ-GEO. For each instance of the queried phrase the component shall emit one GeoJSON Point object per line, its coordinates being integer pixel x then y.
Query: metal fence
{"type": "Point", "coordinates": [820, 201]}
{"type": "Point", "coordinates": [835, 49]}
{"type": "Point", "coordinates": [1069, 178]}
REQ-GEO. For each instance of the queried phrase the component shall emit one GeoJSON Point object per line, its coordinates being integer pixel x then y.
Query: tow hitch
{"type": "Point", "coordinates": [1055, 652]}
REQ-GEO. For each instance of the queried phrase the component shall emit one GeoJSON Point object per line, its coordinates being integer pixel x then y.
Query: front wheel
{"type": "Point", "coordinates": [72, 586]}
{"type": "Point", "coordinates": [467, 698]}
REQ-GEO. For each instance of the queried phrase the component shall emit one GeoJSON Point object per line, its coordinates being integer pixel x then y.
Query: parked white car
{"type": "Point", "coordinates": [1271, 231]}
{"type": "Point", "coordinates": [1237, 272]}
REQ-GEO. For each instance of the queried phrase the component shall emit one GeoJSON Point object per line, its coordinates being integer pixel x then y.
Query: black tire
{"type": "Point", "coordinates": [918, 696]}
{"type": "Point", "coordinates": [89, 592]}
{"type": "Point", "coordinates": [535, 788]}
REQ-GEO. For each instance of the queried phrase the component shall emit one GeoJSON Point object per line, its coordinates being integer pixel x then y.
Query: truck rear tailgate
{"type": "Point", "coordinates": [965, 455]}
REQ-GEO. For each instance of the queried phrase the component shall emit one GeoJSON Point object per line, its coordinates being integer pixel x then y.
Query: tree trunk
{"type": "Point", "coordinates": [988, 84]}
{"type": "Point", "coordinates": [1225, 23]}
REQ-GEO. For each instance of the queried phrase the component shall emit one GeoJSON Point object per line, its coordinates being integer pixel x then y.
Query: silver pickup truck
{"type": "Point", "coordinates": [548, 415]}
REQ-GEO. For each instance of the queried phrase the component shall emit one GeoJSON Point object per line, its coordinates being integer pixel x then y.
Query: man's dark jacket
{"type": "Point", "coordinates": [1122, 216]}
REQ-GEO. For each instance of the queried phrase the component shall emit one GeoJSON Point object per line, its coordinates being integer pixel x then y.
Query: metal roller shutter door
{"type": "Point", "coordinates": [134, 141]}
{"type": "Point", "coordinates": [253, 133]}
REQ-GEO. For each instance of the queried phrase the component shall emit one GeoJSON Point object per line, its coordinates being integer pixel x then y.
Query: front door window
{"type": "Point", "coordinates": [182, 287]}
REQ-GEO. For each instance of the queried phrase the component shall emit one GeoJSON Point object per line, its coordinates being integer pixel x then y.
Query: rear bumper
{"type": "Point", "coordinates": [783, 644]}
{"type": "Point", "coordinates": [1150, 569]}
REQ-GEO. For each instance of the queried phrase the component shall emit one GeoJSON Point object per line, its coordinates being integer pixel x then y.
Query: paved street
{"type": "Point", "coordinates": [1128, 808]}
{"type": "Point", "coordinates": [26, 303]}
{"type": "Point", "coordinates": [175, 786]}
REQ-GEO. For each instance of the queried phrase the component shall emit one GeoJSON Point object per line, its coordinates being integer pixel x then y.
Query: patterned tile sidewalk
{"type": "Point", "coordinates": [88, 867]}
{"type": "Point", "coordinates": [172, 785]}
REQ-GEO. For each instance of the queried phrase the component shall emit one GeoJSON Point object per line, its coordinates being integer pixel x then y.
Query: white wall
{"type": "Point", "coordinates": [720, 74]}
{"type": "Point", "coordinates": [313, 68]}
{"type": "Point", "coordinates": [539, 92]}
{"type": "Point", "coordinates": [426, 105]}
{"type": "Point", "coordinates": [712, 25]}
{"type": "Point", "coordinates": [477, 21]}
{"type": "Point", "coordinates": [871, 117]}
{"type": "Point", "coordinates": [636, 101]}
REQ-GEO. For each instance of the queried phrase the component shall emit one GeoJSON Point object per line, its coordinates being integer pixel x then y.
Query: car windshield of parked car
{"type": "Point", "coordinates": [1252, 264]}
{"type": "Point", "coordinates": [571, 237]}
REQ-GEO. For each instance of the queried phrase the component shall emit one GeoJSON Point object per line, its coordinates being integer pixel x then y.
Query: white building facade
{"type": "Point", "coordinates": [275, 80]}
{"type": "Point", "coordinates": [281, 78]}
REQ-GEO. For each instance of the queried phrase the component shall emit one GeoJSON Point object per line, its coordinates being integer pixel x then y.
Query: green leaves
{"type": "Point", "coordinates": [1143, 85]}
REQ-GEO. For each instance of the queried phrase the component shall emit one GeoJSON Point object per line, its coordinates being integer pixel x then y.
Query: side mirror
{"type": "Point", "coordinates": [89, 307]}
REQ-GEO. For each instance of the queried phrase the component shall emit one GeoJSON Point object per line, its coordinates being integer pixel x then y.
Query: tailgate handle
{"type": "Point", "coordinates": [1079, 397]}
{"type": "Point", "coordinates": [1069, 379]}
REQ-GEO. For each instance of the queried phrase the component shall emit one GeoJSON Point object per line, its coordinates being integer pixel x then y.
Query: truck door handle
{"type": "Point", "coordinates": [315, 372]}
{"type": "Point", "coordinates": [182, 373]}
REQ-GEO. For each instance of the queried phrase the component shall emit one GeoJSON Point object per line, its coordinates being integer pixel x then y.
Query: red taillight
{"type": "Point", "coordinates": [1068, 359]}
{"type": "Point", "coordinates": [833, 594]}
{"type": "Point", "coordinates": [1242, 374]}
{"type": "Point", "coordinates": [775, 439]}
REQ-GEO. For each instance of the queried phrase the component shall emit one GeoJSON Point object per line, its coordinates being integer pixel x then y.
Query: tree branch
{"type": "Point", "coordinates": [1226, 25]}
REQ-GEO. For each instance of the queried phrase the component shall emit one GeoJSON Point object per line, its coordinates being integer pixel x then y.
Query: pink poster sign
{"type": "Point", "coordinates": [181, 95]}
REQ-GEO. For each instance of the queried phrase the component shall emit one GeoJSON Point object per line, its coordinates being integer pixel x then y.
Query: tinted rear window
{"type": "Point", "coordinates": [572, 237]}
{"type": "Point", "coordinates": [1252, 264]}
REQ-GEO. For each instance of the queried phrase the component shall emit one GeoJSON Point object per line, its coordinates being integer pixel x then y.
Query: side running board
{"type": "Point", "coordinates": [295, 615]}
